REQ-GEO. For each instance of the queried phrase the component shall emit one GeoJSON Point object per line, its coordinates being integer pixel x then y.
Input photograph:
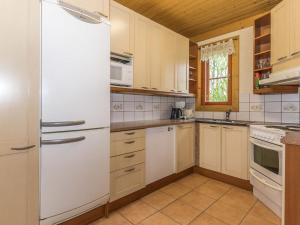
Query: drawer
{"type": "Point", "coordinates": [126, 181]}
{"type": "Point", "coordinates": [127, 146]}
{"type": "Point", "coordinates": [188, 125]}
{"type": "Point", "coordinates": [120, 136]}
{"type": "Point", "coordinates": [126, 160]}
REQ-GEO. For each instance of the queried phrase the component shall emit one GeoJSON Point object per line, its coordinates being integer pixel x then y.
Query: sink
{"type": "Point", "coordinates": [233, 122]}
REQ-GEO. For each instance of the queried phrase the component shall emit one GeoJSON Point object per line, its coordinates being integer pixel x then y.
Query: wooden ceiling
{"type": "Point", "coordinates": [193, 17]}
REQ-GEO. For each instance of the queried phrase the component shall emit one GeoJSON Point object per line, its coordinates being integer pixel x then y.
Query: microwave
{"type": "Point", "coordinates": [121, 70]}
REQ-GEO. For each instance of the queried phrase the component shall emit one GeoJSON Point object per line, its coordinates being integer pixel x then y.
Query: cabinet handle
{"type": "Point", "coordinates": [213, 126]}
{"type": "Point", "coordinates": [129, 142]}
{"type": "Point", "coordinates": [295, 53]}
{"type": "Point", "coordinates": [228, 128]}
{"type": "Point", "coordinates": [131, 133]}
{"type": "Point", "coordinates": [173, 90]}
{"type": "Point", "coordinates": [145, 88]}
{"type": "Point", "coordinates": [101, 14]}
{"type": "Point", "coordinates": [282, 58]}
{"type": "Point", "coordinates": [128, 53]}
{"type": "Point", "coordinates": [154, 88]}
{"type": "Point", "coordinates": [23, 148]}
{"type": "Point", "coordinates": [129, 156]}
{"type": "Point", "coordinates": [129, 170]}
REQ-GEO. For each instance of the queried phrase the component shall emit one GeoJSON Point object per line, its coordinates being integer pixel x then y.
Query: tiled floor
{"type": "Point", "coordinates": [194, 200]}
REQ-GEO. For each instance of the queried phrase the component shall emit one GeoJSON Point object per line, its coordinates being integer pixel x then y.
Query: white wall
{"type": "Point", "coordinates": [246, 56]}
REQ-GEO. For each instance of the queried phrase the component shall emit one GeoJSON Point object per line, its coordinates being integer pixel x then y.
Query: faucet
{"type": "Point", "coordinates": [228, 114]}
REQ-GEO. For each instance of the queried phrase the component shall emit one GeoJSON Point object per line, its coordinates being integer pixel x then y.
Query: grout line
{"type": "Point", "coordinates": [248, 212]}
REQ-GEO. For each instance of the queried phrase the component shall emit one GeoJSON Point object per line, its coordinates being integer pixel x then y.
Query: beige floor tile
{"type": "Point", "coordinates": [158, 219]}
{"type": "Point", "coordinates": [213, 189]}
{"type": "Point", "coordinates": [261, 211]}
{"type": "Point", "coordinates": [175, 190]}
{"type": "Point", "coordinates": [205, 219]}
{"type": "Point", "coordinates": [114, 219]}
{"type": "Point", "coordinates": [227, 213]}
{"type": "Point", "coordinates": [158, 199]}
{"type": "Point", "coordinates": [252, 220]}
{"type": "Point", "coordinates": [181, 212]}
{"type": "Point", "coordinates": [197, 200]}
{"type": "Point", "coordinates": [239, 197]}
{"type": "Point", "coordinates": [193, 181]}
{"type": "Point", "coordinates": [137, 211]}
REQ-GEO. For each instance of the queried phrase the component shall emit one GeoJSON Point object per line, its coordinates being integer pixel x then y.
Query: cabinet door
{"type": "Point", "coordinates": [99, 6]}
{"type": "Point", "coordinates": [235, 151]}
{"type": "Point", "coordinates": [155, 37]}
{"type": "Point", "coordinates": [210, 147]}
{"type": "Point", "coordinates": [182, 64]}
{"type": "Point", "coordinates": [19, 79]}
{"type": "Point", "coordinates": [141, 47]}
{"type": "Point", "coordinates": [294, 29]}
{"type": "Point", "coordinates": [280, 32]}
{"type": "Point", "coordinates": [168, 61]}
{"type": "Point", "coordinates": [185, 146]}
{"type": "Point", "coordinates": [122, 29]}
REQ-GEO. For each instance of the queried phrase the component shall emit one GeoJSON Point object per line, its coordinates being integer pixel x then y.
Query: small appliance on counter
{"type": "Point", "coordinates": [188, 114]}
{"type": "Point", "coordinates": [121, 70]}
{"type": "Point", "coordinates": [177, 111]}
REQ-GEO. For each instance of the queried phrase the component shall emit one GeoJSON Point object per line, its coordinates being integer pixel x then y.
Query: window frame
{"type": "Point", "coordinates": [205, 83]}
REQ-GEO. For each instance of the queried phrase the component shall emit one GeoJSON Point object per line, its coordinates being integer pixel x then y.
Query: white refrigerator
{"type": "Point", "coordinates": [74, 160]}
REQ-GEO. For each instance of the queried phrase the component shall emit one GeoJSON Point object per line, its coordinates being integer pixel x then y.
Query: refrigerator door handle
{"type": "Point", "coordinates": [81, 14]}
{"type": "Point", "coordinates": [62, 141]}
{"type": "Point", "coordinates": [63, 123]}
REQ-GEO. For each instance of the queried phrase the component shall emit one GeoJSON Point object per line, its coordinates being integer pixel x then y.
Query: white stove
{"type": "Point", "coordinates": [267, 165]}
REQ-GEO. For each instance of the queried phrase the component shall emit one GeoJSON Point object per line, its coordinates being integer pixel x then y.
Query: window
{"type": "Point", "coordinates": [219, 77]}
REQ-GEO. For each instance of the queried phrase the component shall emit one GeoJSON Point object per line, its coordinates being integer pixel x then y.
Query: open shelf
{"type": "Point", "coordinates": [193, 68]}
{"type": "Point", "coordinates": [263, 53]}
{"type": "Point", "coordinates": [263, 69]}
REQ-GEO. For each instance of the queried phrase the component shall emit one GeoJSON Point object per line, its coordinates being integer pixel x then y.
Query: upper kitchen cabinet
{"type": "Point", "coordinates": [19, 129]}
{"type": "Point", "coordinates": [122, 29]}
{"type": "Point", "coordinates": [99, 6]}
{"type": "Point", "coordinates": [295, 25]}
{"type": "Point", "coordinates": [280, 32]}
{"type": "Point", "coordinates": [141, 56]}
{"type": "Point", "coordinates": [155, 57]}
{"type": "Point", "coordinates": [182, 64]}
{"type": "Point", "coordinates": [167, 52]}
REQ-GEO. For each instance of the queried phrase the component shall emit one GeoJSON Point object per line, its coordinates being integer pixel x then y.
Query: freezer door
{"type": "Point", "coordinates": [75, 69]}
{"type": "Point", "coordinates": [74, 170]}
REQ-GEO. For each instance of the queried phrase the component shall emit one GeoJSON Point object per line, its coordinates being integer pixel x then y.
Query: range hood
{"type": "Point", "coordinates": [285, 77]}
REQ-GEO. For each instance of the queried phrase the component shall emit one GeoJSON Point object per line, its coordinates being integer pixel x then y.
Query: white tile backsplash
{"type": "Point", "coordinates": [257, 116]}
{"type": "Point", "coordinates": [117, 97]}
{"type": "Point", "coordinates": [128, 106]}
{"type": "Point", "coordinates": [290, 97]}
{"type": "Point", "coordinates": [139, 116]}
{"type": "Point", "coordinates": [128, 116]}
{"type": "Point", "coordinates": [273, 117]}
{"type": "Point", "coordinates": [257, 98]}
{"type": "Point", "coordinates": [290, 117]}
{"type": "Point", "coordinates": [244, 107]}
{"type": "Point", "coordinates": [273, 106]}
{"type": "Point", "coordinates": [273, 98]}
{"type": "Point", "coordinates": [128, 98]}
{"type": "Point", "coordinates": [244, 97]}
{"type": "Point", "coordinates": [243, 116]}
{"type": "Point", "coordinates": [290, 107]}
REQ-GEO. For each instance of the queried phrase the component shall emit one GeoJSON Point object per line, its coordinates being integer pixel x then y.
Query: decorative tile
{"type": "Point", "coordinates": [156, 106]}
{"type": "Point", "coordinates": [290, 106]}
{"type": "Point", "coordinates": [117, 106]}
{"type": "Point", "coordinates": [139, 106]}
{"type": "Point", "coordinates": [256, 107]}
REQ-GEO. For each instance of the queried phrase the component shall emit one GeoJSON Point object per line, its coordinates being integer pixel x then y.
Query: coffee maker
{"type": "Point", "coordinates": [177, 111]}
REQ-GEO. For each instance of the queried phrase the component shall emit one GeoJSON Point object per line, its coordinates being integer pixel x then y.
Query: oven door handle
{"type": "Point", "coordinates": [264, 182]}
{"type": "Point", "coordinates": [270, 146]}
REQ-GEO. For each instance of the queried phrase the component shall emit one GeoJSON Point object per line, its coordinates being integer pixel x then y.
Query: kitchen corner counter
{"type": "Point", "coordinates": [292, 138]}
{"type": "Point", "coordinates": [135, 125]}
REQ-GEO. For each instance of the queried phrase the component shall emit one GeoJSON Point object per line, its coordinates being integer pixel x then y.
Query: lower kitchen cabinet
{"type": "Point", "coordinates": [224, 149]}
{"type": "Point", "coordinates": [210, 147]}
{"type": "Point", "coordinates": [235, 151]}
{"type": "Point", "coordinates": [127, 163]}
{"type": "Point", "coordinates": [185, 146]}
{"type": "Point", "coordinates": [126, 181]}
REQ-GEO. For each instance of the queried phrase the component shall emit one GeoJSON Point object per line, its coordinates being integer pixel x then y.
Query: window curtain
{"type": "Point", "coordinates": [214, 50]}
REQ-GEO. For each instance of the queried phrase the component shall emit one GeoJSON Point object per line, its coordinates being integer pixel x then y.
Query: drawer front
{"type": "Point", "coordinates": [120, 136]}
{"type": "Point", "coordinates": [188, 125]}
{"type": "Point", "coordinates": [126, 181]}
{"type": "Point", "coordinates": [127, 146]}
{"type": "Point", "coordinates": [126, 160]}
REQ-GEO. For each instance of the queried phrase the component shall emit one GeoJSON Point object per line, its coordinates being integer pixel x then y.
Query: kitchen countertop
{"type": "Point", "coordinates": [135, 125]}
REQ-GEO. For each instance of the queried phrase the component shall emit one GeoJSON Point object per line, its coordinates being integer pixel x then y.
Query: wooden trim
{"type": "Point", "coordinates": [137, 91]}
{"type": "Point", "coordinates": [99, 212]}
{"type": "Point", "coordinates": [292, 185]}
{"type": "Point", "coordinates": [244, 184]}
